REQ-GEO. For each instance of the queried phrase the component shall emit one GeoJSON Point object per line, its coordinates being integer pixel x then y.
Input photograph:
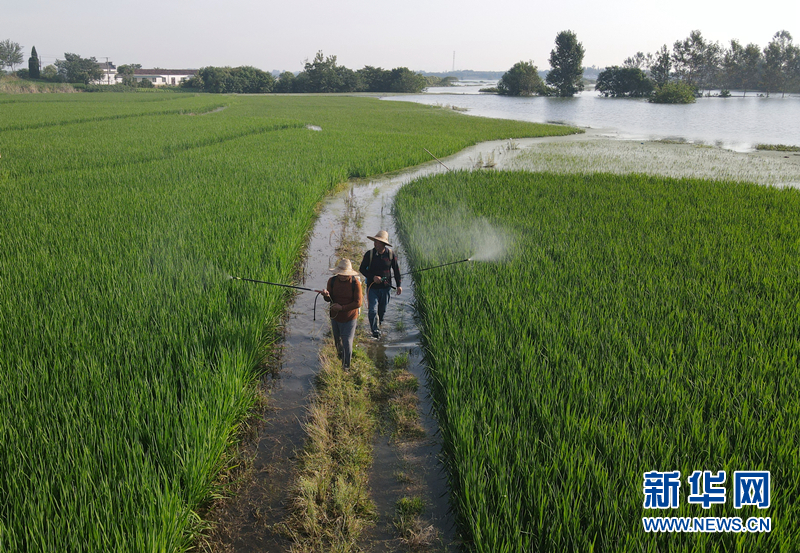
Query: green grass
{"type": "Point", "coordinates": [127, 357]}
{"type": "Point", "coordinates": [634, 324]}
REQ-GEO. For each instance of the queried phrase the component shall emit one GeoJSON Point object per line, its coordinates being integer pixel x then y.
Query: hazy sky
{"type": "Point", "coordinates": [419, 34]}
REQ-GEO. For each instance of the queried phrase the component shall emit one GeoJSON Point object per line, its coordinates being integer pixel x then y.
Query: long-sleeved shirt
{"type": "Point", "coordinates": [380, 266]}
{"type": "Point", "coordinates": [348, 295]}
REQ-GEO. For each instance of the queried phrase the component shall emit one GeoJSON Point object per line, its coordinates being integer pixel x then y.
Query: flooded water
{"type": "Point", "coordinates": [737, 123]}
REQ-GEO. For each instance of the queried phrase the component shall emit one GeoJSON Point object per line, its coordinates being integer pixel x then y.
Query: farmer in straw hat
{"type": "Point", "coordinates": [344, 294]}
{"type": "Point", "coordinates": [377, 266]}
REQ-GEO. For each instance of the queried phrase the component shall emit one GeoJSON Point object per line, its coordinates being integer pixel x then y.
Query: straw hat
{"type": "Point", "coordinates": [381, 236]}
{"type": "Point", "coordinates": [344, 268]}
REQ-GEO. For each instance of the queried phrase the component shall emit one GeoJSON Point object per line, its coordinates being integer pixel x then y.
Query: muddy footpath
{"type": "Point", "coordinates": [252, 517]}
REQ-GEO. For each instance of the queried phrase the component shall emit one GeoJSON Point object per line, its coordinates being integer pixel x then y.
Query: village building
{"type": "Point", "coordinates": [159, 77]}
{"type": "Point", "coordinates": [164, 77]}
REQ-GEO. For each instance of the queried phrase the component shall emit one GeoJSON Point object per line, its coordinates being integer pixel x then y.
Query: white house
{"type": "Point", "coordinates": [164, 77]}
{"type": "Point", "coordinates": [109, 73]}
{"type": "Point", "coordinates": [159, 77]}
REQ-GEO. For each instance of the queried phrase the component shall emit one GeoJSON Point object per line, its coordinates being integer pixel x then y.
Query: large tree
{"type": "Point", "coordinates": [232, 80]}
{"type": "Point", "coordinates": [285, 83]}
{"type": "Point", "coordinates": [322, 74]}
{"type": "Point", "coordinates": [522, 80]}
{"type": "Point", "coordinates": [753, 66]}
{"type": "Point", "coordinates": [697, 61]}
{"type": "Point", "coordinates": [10, 54]}
{"type": "Point", "coordinates": [404, 80]}
{"type": "Point", "coordinates": [33, 64]}
{"type": "Point", "coordinates": [75, 69]}
{"type": "Point", "coordinates": [661, 67]}
{"type": "Point", "coordinates": [375, 79]}
{"type": "Point", "coordinates": [639, 61]}
{"type": "Point", "coordinates": [128, 70]}
{"type": "Point", "coordinates": [687, 58]}
{"type": "Point", "coordinates": [566, 65]}
{"type": "Point", "coordinates": [742, 66]}
{"type": "Point", "coordinates": [779, 62]}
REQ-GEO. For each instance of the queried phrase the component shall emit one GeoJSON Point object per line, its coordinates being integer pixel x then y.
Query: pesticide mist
{"type": "Point", "coordinates": [462, 234]}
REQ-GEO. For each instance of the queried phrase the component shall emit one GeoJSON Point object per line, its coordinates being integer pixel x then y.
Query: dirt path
{"type": "Point", "coordinates": [251, 519]}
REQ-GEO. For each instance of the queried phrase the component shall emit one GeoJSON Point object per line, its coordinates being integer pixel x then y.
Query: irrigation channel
{"type": "Point", "coordinates": [251, 520]}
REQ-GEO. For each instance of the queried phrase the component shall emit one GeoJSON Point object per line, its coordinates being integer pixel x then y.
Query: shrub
{"type": "Point", "coordinates": [674, 93]}
{"type": "Point", "coordinates": [522, 80]}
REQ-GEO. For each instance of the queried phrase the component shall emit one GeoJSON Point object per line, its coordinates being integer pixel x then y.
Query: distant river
{"type": "Point", "coordinates": [737, 123]}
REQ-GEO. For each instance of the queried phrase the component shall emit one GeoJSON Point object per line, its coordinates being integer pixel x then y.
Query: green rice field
{"type": "Point", "coordinates": [127, 356]}
{"type": "Point", "coordinates": [610, 326]}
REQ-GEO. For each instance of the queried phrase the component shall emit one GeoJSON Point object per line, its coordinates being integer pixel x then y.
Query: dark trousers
{"type": "Point", "coordinates": [343, 334]}
{"type": "Point", "coordinates": [378, 299]}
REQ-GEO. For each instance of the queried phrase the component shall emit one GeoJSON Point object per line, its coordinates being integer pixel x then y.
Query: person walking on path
{"type": "Point", "coordinates": [344, 294]}
{"type": "Point", "coordinates": [378, 265]}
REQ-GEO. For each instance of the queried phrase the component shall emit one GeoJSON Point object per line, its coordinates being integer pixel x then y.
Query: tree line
{"type": "Point", "coordinates": [322, 74]}
{"type": "Point", "coordinates": [565, 77]}
{"type": "Point", "coordinates": [696, 65]}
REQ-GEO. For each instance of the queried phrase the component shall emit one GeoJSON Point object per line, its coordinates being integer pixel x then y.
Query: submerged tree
{"type": "Point", "coordinates": [675, 92]}
{"type": "Point", "coordinates": [779, 61]}
{"type": "Point", "coordinates": [696, 61]}
{"type": "Point", "coordinates": [624, 81]}
{"type": "Point", "coordinates": [661, 68]}
{"type": "Point", "coordinates": [742, 67]}
{"type": "Point", "coordinates": [522, 80]}
{"type": "Point", "coordinates": [566, 65]}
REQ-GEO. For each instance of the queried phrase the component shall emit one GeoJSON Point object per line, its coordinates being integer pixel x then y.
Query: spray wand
{"type": "Point", "coordinates": [283, 286]}
{"type": "Point", "coordinates": [388, 280]}
{"type": "Point", "coordinates": [437, 266]}
{"type": "Point", "coordinates": [276, 284]}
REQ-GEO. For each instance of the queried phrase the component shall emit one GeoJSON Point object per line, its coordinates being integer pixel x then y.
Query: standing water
{"type": "Point", "coordinates": [738, 123]}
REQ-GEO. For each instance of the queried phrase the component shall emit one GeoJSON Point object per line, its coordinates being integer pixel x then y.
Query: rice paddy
{"type": "Point", "coordinates": [632, 324]}
{"type": "Point", "coordinates": [127, 355]}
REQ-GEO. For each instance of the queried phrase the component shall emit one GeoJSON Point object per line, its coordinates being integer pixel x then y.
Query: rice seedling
{"type": "Point", "coordinates": [127, 354]}
{"type": "Point", "coordinates": [634, 324]}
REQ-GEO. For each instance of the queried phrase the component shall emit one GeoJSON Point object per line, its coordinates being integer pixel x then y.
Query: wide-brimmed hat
{"type": "Point", "coordinates": [344, 268]}
{"type": "Point", "coordinates": [381, 236]}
